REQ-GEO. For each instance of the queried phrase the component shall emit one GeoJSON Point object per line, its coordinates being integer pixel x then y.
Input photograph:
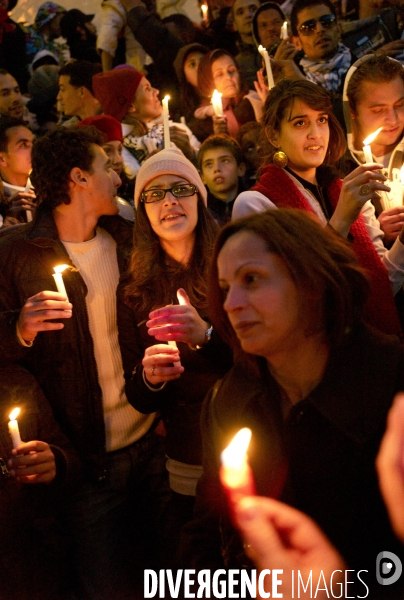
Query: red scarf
{"type": "Point", "coordinates": [380, 310]}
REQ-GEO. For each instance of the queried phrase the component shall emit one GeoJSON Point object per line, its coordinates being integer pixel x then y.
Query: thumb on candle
{"type": "Point", "coordinates": [183, 297]}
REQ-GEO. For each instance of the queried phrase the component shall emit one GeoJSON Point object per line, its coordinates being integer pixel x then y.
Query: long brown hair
{"type": "Point", "coordinates": [153, 277]}
{"type": "Point", "coordinates": [280, 100]}
{"type": "Point", "coordinates": [331, 286]}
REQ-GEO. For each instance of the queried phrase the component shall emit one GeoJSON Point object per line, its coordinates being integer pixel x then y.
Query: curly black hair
{"type": "Point", "coordinates": [55, 155]}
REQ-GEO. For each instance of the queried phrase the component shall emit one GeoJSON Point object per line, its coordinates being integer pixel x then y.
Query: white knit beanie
{"type": "Point", "coordinates": [168, 162]}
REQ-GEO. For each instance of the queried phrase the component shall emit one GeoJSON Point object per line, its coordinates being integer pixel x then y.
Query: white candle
{"type": "Point", "coordinates": [26, 190]}
{"type": "Point", "coordinates": [165, 122]}
{"type": "Point", "coordinates": [394, 197]}
{"type": "Point", "coordinates": [204, 10]}
{"type": "Point", "coordinates": [284, 31]}
{"type": "Point", "coordinates": [367, 150]}
{"type": "Point", "coordinates": [13, 427]}
{"type": "Point", "coordinates": [235, 474]}
{"type": "Point", "coordinates": [59, 279]}
{"type": "Point", "coordinates": [264, 53]}
{"type": "Point", "coordinates": [172, 342]}
{"type": "Point", "coordinates": [217, 103]}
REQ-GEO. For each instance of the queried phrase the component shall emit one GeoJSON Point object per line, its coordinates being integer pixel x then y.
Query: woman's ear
{"type": "Point", "coordinates": [272, 136]}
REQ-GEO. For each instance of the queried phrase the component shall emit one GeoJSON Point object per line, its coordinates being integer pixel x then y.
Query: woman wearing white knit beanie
{"type": "Point", "coordinates": [164, 299]}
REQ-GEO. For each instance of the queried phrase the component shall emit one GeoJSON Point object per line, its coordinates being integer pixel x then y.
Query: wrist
{"type": "Point", "coordinates": [206, 340]}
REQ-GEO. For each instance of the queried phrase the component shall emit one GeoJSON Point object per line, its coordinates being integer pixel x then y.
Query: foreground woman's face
{"type": "Point", "coordinates": [261, 298]}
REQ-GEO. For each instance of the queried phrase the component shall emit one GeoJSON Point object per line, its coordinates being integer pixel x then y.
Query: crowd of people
{"type": "Point", "coordinates": [173, 273]}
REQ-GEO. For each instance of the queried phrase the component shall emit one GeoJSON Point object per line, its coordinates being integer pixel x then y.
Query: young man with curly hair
{"type": "Point", "coordinates": [69, 342]}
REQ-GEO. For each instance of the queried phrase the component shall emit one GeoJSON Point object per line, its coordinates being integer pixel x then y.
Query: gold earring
{"type": "Point", "coordinates": [280, 159]}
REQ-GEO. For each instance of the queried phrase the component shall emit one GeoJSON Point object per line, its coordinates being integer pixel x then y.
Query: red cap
{"type": "Point", "coordinates": [108, 125]}
{"type": "Point", "coordinates": [115, 90]}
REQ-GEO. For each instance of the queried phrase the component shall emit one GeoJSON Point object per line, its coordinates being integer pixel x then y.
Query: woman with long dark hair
{"type": "Point", "coordinates": [173, 242]}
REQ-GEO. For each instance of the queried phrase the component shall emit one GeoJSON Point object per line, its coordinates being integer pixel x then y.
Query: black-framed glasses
{"type": "Point", "coordinates": [181, 190]}
{"type": "Point", "coordinates": [309, 27]}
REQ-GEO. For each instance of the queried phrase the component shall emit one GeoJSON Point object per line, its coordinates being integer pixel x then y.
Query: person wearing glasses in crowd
{"type": "Point", "coordinates": [164, 299]}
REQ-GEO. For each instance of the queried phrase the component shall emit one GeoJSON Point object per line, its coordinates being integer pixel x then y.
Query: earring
{"type": "Point", "coordinates": [280, 159]}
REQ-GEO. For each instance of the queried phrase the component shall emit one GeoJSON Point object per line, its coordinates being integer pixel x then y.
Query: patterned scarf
{"type": "Point", "coordinates": [328, 74]}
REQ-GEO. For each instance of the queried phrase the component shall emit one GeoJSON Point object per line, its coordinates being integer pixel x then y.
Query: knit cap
{"type": "Point", "coordinates": [115, 90]}
{"type": "Point", "coordinates": [169, 161]}
{"type": "Point", "coordinates": [108, 125]}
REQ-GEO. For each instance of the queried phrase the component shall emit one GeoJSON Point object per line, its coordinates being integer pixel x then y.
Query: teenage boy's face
{"type": "Point", "coordinates": [220, 171]}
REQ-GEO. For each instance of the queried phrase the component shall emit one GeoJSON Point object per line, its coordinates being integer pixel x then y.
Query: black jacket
{"type": "Point", "coordinates": [62, 361]}
{"type": "Point", "coordinates": [329, 441]}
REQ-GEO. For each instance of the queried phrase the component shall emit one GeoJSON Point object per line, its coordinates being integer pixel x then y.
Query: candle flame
{"type": "Point", "coordinates": [371, 138]}
{"type": "Point", "coordinates": [60, 268]}
{"type": "Point", "coordinates": [261, 49]}
{"type": "Point", "coordinates": [216, 96]}
{"type": "Point", "coordinates": [285, 24]}
{"type": "Point", "coordinates": [204, 9]}
{"type": "Point", "coordinates": [167, 98]}
{"type": "Point", "coordinates": [234, 456]}
{"type": "Point", "coordinates": [14, 414]}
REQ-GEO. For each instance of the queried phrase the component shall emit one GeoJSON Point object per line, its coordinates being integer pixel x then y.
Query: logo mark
{"type": "Point", "coordinates": [388, 568]}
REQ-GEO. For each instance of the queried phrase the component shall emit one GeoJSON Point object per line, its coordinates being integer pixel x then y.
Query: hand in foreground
{"type": "Point", "coordinates": [180, 138]}
{"type": "Point", "coordinates": [390, 466]}
{"type": "Point", "coordinates": [177, 322]}
{"type": "Point", "coordinates": [21, 201]}
{"type": "Point", "coordinates": [280, 537]}
{"type": "Point", "coordinates": [357, 188]}
{"type": "Point", "coordinates": [38, 313]}
{"type": "Point", "coordinates": [391, 221]}
{"type": "Point", "coordinates": [260, 86]}
{"type": "Point", "coordinates": [33, 462]}
{"type": "Point", "coordinates": [161, 362]}
{"type": "Point", "coordinates": [285, 51]}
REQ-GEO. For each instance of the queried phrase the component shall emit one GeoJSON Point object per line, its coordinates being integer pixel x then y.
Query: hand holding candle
{"type": "Point", "coordinates": [13, 427]}
{"type": "Point", "coordinates": [264, 53]}
{"type": "Point", "coordinates": [166, 123]}
{"type": "Point", "coordinates": [367, 150]}
{"type": "Point", "coordinates": [235, 473]}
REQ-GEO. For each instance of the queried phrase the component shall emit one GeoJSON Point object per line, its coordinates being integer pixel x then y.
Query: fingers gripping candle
{"type": "Point", "coordinates": [172, 343]}
{"type": "Point", "coordinates": [59, 279]}
{"type": "Point", "coordinates": [235, 473]}
{"type": "Point", "coordinates": [13, 427]}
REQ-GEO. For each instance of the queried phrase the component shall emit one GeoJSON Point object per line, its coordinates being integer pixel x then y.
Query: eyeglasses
{"type": "Point", "coordinates": [309, 27]}
{"type": "Point", "coordinates": [181, 190]}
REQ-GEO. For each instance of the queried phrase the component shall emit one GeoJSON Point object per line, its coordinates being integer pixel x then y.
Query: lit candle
{"type": "Point", "coordinates": [165, 122]}
{"type": "Point", "coordinates": [26, 190]}
{"type": "Point", "coordinates": [264, 53]}
{"type": "Point", "coordinates": [204, 10]}
{"type": "Point", "coordinates": [284, 31]}
{"type": "Point", "coordinates": [235, 473]}
{"type": "Point", "coordinates": [217, 103]}
{"type": "Point", "coordinates": [13, 427]}
{"type": "Point", "coordinates": [394, 197]}
{"type": "Point", "coordinates": [367, 150]}
{"type": "Point", "coordinates": [59, 279]}
{"type": "Point", "coordinates": [172, 343]}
